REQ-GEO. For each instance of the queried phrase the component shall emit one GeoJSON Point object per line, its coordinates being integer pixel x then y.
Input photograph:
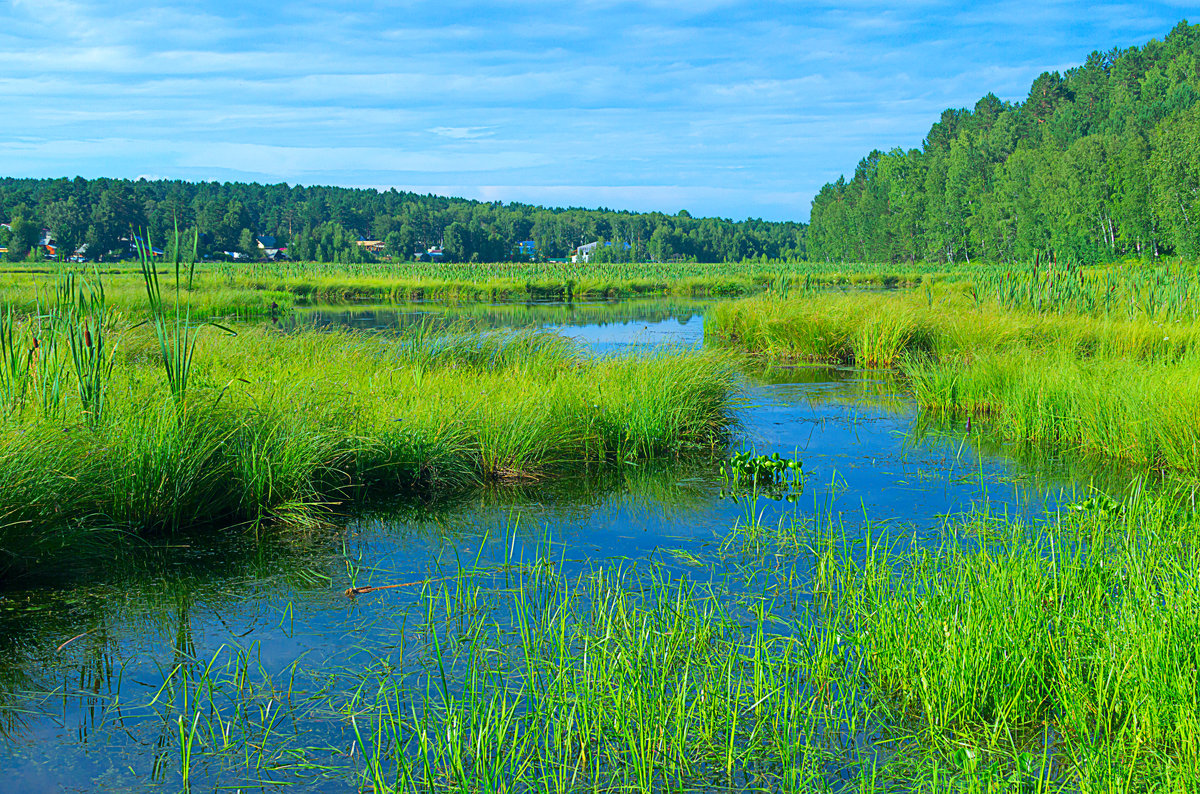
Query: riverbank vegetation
{"type": "Point", "coordinates": [273, 288]}
{"type": "Point", "coordinates": [96, 434]}
{"type": "Point", "coordinates": [1119, 378]}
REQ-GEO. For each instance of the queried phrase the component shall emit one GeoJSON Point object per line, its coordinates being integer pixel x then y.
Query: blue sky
{"type": "Point", "coordinates": [723, 108]}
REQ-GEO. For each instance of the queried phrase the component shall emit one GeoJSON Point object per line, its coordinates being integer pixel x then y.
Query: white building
{"type": "Point", "coordinates": [584, 252]}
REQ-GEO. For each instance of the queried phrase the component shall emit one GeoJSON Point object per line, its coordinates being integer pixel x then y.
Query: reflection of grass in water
{"type": "Point", "coordinates": [281, 428]}
{"type": "Point", "coordinates": [108, 607]}
{"type": "Point", "coordinates": [74, 631]}
{"type": "Point", "coordinates": [1043, 467]}
{"type": "Point", "coordinates": [489, 316]}
{"type": "Point", "coordinates": [1054, 658]}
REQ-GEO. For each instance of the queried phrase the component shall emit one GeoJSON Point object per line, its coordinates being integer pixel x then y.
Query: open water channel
{"type": "Point", "coordinates": [82, 665]}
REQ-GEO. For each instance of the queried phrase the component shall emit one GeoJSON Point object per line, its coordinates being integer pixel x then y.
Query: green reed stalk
{"type": "Point", "coordinates": [14, 364]}
{"type": "Point", "coordinates": [47, 363]}
{"type": "Point", "coordinates": [81, 310]}
{"type": "Point", "coordinates": [177, 334]}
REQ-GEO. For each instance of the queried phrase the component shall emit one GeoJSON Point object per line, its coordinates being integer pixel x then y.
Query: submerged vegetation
{"type": "Point", "coordinates": [1009, 657]}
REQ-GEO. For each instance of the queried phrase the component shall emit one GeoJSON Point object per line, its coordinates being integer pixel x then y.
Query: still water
{"type": "Point", "coordinates": [82, 665]}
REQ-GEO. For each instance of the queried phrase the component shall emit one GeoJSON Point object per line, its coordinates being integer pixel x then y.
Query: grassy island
{"type": "Point", "coordinates": [1102, 359]}
{"type": "Point", "coordinates": [111, 424]}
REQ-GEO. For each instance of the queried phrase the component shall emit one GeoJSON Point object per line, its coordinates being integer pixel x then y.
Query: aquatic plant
{"type": "Point", "coordinates": [173, 326]}
{"type": "Point", "coordinates": [81, 310]}
{"type": "Point", "coordinates": [771, 475]}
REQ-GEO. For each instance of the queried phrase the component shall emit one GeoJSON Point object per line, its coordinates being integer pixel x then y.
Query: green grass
{"type": "Point", "coordinates": [1122, 388]}
{"type": "Point", "coordinates": [283, 428]}
{"type": "Point", "coordinates": [256, 289]}
{"type": "Point", "coordinates": [1075, 641]}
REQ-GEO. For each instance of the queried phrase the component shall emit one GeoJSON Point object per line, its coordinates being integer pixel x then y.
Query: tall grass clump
{"type": "Point", "coordinates": [172, 322]}
{"type": "Point", "coordinates": [867, 330]}
{"type": "Point", "coordinates": [1074, 644]}
{"type": "Point", "coordinates": [287, 428]}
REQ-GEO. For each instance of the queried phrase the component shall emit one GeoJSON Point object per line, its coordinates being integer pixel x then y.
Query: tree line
{"type": "Point", "coordinates": [1096, 164]}
{"type": "Point", "coordinates": [325, 223]}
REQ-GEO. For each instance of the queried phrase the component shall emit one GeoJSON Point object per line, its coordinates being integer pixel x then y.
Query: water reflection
{"type": "Point", "coordinates": [93, 670]}
{"type": "Point", "coordinates": [604, 326]}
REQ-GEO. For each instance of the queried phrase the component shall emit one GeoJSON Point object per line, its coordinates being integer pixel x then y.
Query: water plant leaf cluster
{"type": "Point", "coordinates": [771, 476]}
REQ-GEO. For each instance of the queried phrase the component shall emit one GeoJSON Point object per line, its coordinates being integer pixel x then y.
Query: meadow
{"type": "Point", "coordinates": [986, 650]}
{"type": "Point", "coordinates": [253, 289]}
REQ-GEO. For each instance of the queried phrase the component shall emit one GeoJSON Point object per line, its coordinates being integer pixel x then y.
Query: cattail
{"type": "Point", "coordinates": [87, 337]}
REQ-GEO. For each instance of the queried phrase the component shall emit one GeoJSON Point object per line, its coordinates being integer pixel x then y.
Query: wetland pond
{"type": "Point", "coordinates": [251, 647]}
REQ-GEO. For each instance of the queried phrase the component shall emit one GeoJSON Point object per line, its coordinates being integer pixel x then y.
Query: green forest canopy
{"type": "Point", "coordinates": [325, 223]}
{"type": "Point", "coordinates": [1096, 164]}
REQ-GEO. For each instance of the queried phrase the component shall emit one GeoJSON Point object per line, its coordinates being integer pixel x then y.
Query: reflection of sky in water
{"type": "Point", "coordinates": [859, 454]}
{"type": "Point", "coordinates": [615, 337]}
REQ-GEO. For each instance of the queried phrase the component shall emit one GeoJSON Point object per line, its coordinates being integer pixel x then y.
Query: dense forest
{"type": "Point", "coordinates": [1096, 164]}
{"type": "Point", "coordinates": [325, 223]}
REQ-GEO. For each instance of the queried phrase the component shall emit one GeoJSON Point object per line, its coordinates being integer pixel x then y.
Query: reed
{"type": "Point", "coordinates": [15, 366]}
{"type": "Point", "coordinates": [173, 326]}
{"type": "Point", "coordinates": [82, 312]}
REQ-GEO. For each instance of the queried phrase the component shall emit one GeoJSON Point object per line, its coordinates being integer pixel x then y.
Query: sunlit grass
{"type": "Point", "coordinates": [1124, 388]}
{"type": "Point", "coordinates": [283, 428]}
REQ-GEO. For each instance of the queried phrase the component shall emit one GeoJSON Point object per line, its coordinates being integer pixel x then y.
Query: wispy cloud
{"type": "Point", "coordinates": [720, 106]}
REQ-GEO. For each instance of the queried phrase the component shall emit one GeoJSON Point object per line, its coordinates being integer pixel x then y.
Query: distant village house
{"type": "Point", "coordinates": [271, 251]}
{"type": "Point", "coordinates": [584, 253]}
{"type": "Point", "coordinates": [372, 246]}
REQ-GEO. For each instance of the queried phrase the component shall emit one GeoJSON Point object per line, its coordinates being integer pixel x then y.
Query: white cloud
{"type": "Point", "coordinates": [738, 107]}
{"type": "Point", "coordinates": [462, 133]}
